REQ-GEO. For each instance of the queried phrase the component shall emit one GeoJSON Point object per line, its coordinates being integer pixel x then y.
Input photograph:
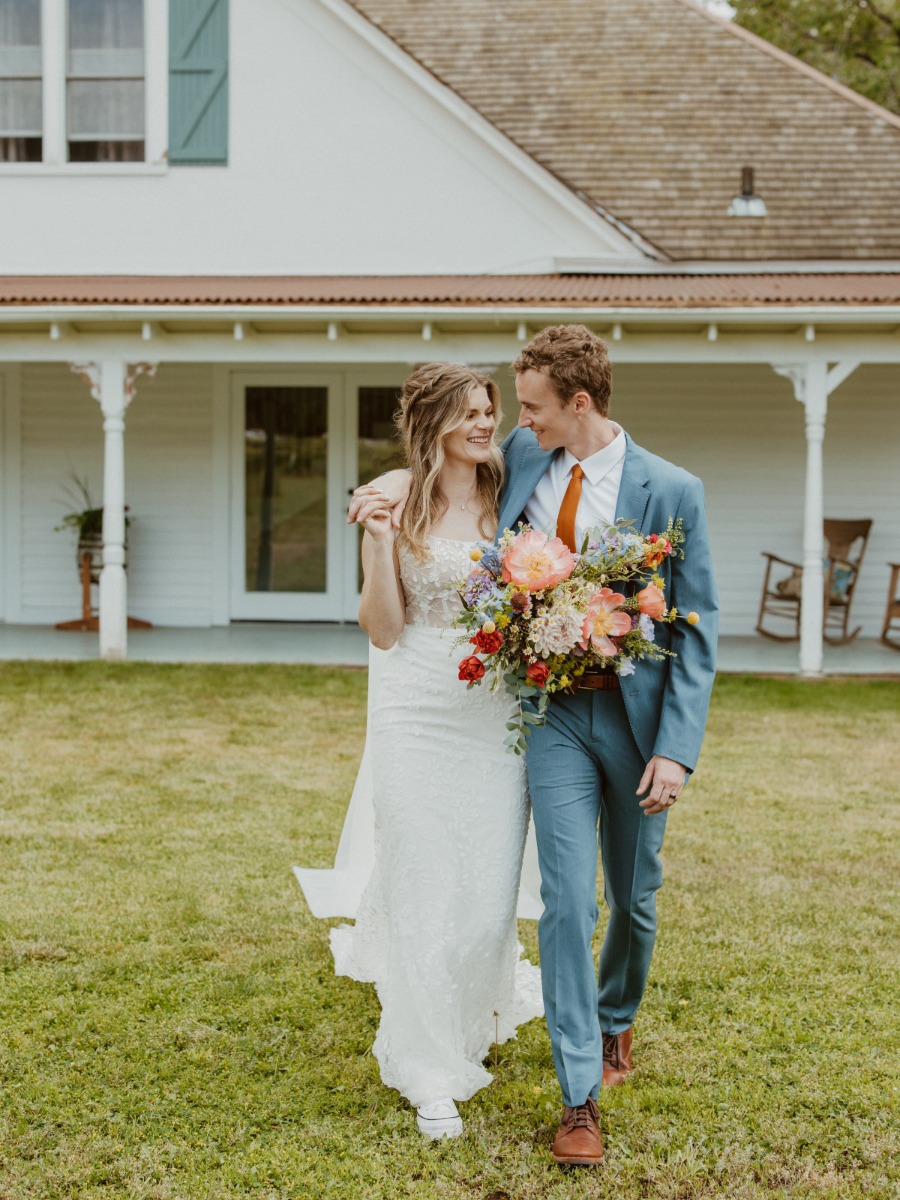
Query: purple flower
{"type": "Point", "coordinates": [625, 666]}
{"type": "Point", "coordinates": [478, 585]}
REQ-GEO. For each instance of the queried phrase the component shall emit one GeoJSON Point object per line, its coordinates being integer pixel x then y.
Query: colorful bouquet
{"type": "Point", "coordinates": [539, 616]}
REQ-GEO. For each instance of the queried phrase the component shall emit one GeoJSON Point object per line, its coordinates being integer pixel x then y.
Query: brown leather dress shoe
{"type": "Point", "coordinates": [616, 1057]}
{"type": "Point", "coordinates": [578, 1141]}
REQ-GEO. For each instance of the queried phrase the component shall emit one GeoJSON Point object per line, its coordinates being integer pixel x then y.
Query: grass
{"type": "Point", "coordinates": [170, 1025]}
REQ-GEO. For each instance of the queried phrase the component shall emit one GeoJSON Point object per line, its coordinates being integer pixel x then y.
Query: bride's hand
{"type": "Point", "coordinates": [391, 489]}
{"type": "Point", "coordinates": [368, 501]}
{"type": "Point", "coordinates": [376, 521]}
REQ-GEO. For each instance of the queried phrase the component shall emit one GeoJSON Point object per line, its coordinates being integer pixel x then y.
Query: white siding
{"type": "Point", "coordinates": [338, 164]}
{"type": "Point", "coordinates": [169, 476]}
{"type": "Point", "coordinates": [741, 431]}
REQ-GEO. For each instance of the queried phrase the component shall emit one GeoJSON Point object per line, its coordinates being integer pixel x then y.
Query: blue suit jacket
{"type": "Point", "coordinates": [666, 701]}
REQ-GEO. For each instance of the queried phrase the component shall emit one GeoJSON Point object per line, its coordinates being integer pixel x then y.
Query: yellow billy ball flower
{"type": "Point", "coordinates": [693, 618]}
{"type": "Point", "coordinates": [488, 627]}
{"type": "Point", "coordinates": [476, 555]}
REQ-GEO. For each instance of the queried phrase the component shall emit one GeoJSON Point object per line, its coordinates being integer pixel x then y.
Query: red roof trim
{"type": "Point", "coordinates": [582, 291]}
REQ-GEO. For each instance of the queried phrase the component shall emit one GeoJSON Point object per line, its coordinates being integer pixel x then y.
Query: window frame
{"type": "Point", "coordinates": [33, 75]}
{"type": "Point", "coordinates": [54, 54]}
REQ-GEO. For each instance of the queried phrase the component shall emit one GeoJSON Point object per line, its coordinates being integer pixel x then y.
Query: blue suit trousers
{"type": "Point", "coordinates": [584, 768]}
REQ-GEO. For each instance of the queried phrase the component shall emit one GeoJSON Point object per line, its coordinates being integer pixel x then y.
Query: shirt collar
{"type": "Point", "coordinates": [598, 465]}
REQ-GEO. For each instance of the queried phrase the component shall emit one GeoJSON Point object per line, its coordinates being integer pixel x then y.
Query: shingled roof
{"type": "Point", "coordinates": [651, 108]}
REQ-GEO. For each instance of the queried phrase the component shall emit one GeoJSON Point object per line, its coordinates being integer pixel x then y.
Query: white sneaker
{"type": "Point", "coordinates": [440, 1119]}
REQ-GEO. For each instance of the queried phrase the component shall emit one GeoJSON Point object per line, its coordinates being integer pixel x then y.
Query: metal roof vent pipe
{"type": "Point", "coordinates": [747, 204]}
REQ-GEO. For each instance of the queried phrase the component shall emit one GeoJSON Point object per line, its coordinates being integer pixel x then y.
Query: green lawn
{"type": "Point", "coordinates": [170, 1025]}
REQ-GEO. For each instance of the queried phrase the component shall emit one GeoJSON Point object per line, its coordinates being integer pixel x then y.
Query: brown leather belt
{"type": "Point", "coordinates": [599, 681]}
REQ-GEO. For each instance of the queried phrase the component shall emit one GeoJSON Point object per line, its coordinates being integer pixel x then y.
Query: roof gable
{"type": "Point", "coordinates": [652, 108]}
{"type": "Point", "coordinates": [611, 237]}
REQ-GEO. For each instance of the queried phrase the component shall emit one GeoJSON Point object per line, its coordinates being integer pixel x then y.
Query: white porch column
{"type": "Point", "coordinates": [112, 385]}
{"type": "Point", "coordinates": [812, 612]}
{"type": "Point", "coordinates": [813, 384]}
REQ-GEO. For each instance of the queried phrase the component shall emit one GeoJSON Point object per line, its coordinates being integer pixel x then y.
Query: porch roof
{"type": "Point", "coordinates": [701, 290]}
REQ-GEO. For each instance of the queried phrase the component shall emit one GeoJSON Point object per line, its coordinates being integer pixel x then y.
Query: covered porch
{"type": "Point", "coordinates": [154, 387]}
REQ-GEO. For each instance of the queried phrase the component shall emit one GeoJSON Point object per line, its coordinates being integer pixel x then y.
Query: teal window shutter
{"type": "Point", "coordinates": [198, 81]}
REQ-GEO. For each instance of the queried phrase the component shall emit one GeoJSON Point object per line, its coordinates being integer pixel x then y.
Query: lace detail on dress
{"type": "Point", "coordinates": [430, 586]}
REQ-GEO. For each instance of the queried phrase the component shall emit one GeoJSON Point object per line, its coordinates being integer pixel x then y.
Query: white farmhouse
{"type": "Point", "coordinates": [229, 228]}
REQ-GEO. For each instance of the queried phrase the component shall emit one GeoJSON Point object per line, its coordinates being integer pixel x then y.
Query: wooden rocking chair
{"type": "Point", "coordinates": [781, 597]}
{"type": "Point", "coordinates": [892, 613]}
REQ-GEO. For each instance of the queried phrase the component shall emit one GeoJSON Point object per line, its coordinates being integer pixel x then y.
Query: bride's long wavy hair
{"type": "Point", "coordinates": [435, 401]}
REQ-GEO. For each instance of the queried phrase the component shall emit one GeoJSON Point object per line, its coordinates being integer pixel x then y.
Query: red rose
{"type": "Point", "coordinates": [471, 669]}
{"type": "Point", "coordinates": [487, 643]}
{"type": "Point", "coordinates": [538, 673]}
{"type": "Point", "coordinates": [654, 537]}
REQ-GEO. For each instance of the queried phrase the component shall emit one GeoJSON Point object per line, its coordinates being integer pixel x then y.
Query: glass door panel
{"type": "Point", "coordinates": [288, 520]}
{"type": "Point", "coordinates": [286, 489]}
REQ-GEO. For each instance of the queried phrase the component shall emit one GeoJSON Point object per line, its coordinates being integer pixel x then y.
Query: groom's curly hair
{"type": "Point", "coordinates": [574, 360]}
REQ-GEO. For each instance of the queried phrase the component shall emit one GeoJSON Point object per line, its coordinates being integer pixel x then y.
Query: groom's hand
{"type": "Point", "coordinates": [663, 779]}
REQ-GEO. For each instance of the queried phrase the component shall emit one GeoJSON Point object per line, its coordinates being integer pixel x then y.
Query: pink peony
{"type": "Point", "coordinates": [536, 561]}
{"type": "Point", "coordinates": [651, 601]}
{"type": "Point", "coordinates": [603, 622]}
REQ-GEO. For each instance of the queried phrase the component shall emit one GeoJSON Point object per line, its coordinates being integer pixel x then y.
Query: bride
{"type": "Point", "coordinates": [436, 925]}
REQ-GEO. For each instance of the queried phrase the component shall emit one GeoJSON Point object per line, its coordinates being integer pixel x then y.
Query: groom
{"type": "Point", "coordinates": [613, 756]}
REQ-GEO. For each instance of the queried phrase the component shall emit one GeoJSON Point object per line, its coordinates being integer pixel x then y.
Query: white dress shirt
{"type": "Point", "coordinates": [599, 488]}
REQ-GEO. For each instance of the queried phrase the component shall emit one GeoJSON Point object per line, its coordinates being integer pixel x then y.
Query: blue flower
{"type": "Point", "coordinates": [647, 627]}
{"type": "Point", "coordinates": [491, 559]}
{"type": "Point", "coordinates": [625, 666]}
{"type": "Point", "coordinates": [630, 542]}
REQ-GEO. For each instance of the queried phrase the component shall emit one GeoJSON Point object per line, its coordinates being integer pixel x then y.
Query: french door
{"type": "Point", "coordinates": [301, 441]}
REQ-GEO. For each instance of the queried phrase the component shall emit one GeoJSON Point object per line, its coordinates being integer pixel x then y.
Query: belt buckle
{"type": "Point", "coordinates": [607, 674]}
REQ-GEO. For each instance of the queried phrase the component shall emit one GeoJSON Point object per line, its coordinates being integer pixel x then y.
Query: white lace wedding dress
{"type": "Point", "coordinates": [436, 925]}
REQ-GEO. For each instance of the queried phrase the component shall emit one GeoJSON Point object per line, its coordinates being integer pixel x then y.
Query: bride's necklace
{"type": "Point", "coordinates": [465, 504]}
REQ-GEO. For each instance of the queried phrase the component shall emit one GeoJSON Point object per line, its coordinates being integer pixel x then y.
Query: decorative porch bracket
{"type": "Point", "coordinates": [112, 384]}
{"type": "Point", "coordinates": [813, 383]}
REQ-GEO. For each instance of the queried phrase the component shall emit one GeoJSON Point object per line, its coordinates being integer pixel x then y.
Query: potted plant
{"type": "Point", "coordinates": [87, 517]}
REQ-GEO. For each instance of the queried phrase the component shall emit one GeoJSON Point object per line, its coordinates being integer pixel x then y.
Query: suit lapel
{"type": "Point", "coordinates": [632, 501]}
{"type": "Point", "coordinates": [526, 473]}
{"type": "Point", "coordinates": [634, 495]}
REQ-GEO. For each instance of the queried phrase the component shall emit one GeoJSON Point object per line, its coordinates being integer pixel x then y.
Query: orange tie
{"type": "Point", "coordinates": [565, 524]}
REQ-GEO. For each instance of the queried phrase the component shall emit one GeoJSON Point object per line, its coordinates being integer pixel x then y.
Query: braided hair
{"type": "Point", "coordinates": [433, 402]}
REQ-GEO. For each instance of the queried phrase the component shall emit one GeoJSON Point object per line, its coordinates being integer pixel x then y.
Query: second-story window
{"type": "Point", "coordinates": [20, 81]}
{"type": "Point", "coordinates": [105, 81]}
